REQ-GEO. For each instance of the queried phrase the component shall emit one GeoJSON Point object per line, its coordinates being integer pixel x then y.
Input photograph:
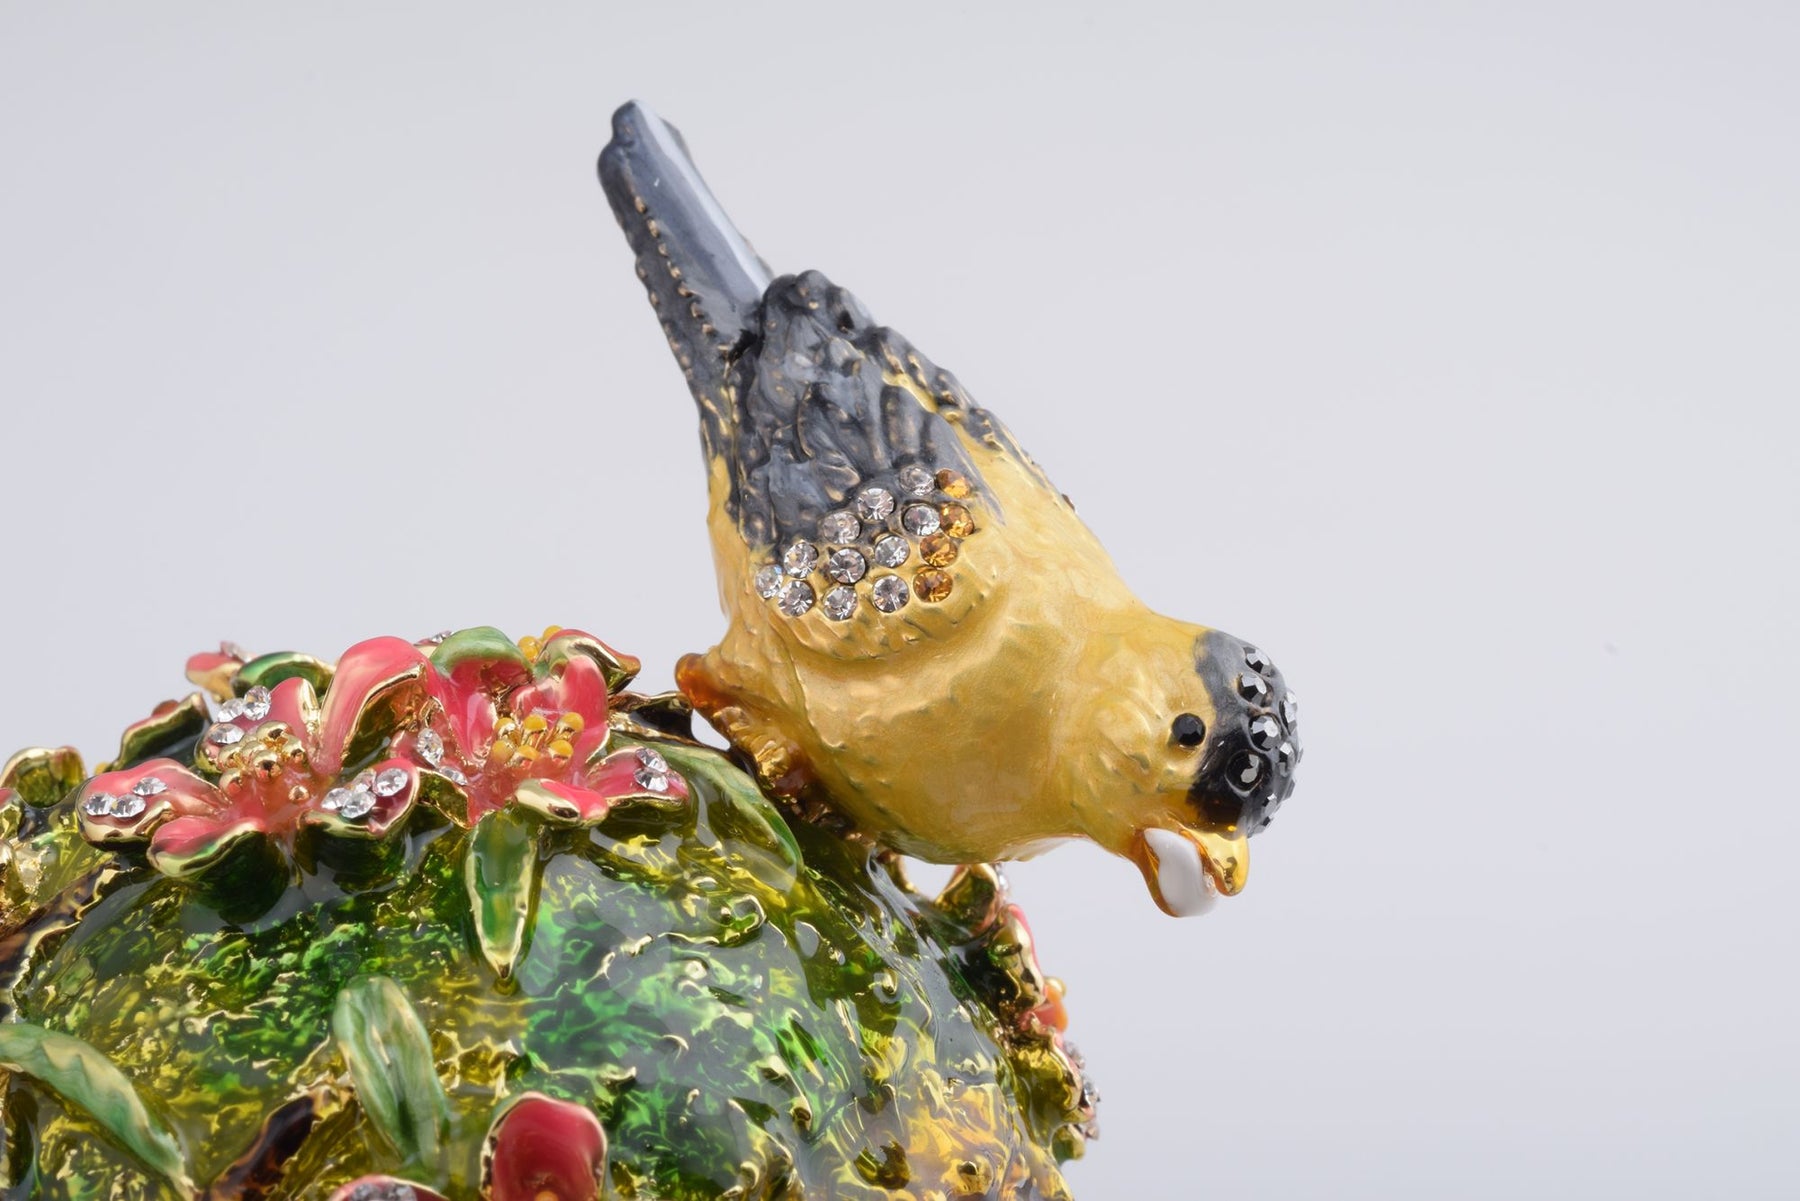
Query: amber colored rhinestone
{"type": "Point", "coordinates": [956, 521]}
{"type": "Point", "coordinates": [932, 584]}
{"type": "Point", "coordinates": [939, 550]}
{"type": "Point", "coordinates": [953, 483]}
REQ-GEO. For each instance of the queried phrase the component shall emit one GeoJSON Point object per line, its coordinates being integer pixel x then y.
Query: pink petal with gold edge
{"type": "Point", "coordinates": [294, 703]}
{"type": "Point", "coordinates": [369, 674]}
{"type": "Point", "coordinates": [385, 1188]}
{"type": "Point", "coordinates": [181, 793]}
{"type": "Point", "coordinates": [576, 685]}
{"type": "Point", "coordinates": [616, 777]}
{"type": "Point", "coordinates": [389, 811]}
{"type": "Point", "coordinates": [214, 671]}
{"type": "Point", "coordinates": [563, 803]}
{"type": "Point", "coordinates": [188, 846]}
{"type": "Point", "coordinates": [469, 712]}
{"type": "Point", "coordinates": [542, 1149]}
{"type": "Point", "coordinates": [616, 666]}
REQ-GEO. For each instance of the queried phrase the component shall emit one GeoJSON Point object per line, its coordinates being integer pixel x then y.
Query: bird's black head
{"type": "Point", "coordinates": [1248, 757]}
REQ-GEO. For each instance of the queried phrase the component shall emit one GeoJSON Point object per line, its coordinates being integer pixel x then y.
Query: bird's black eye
{"type": "Point", "coordinates": [1189, 730]}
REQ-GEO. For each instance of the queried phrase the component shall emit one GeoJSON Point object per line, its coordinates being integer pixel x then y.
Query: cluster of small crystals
{"type": "Point", "coordinates": [927, 521]}
{"type": "Point", "coordinates": [252, 706]}
{"type": "Point", "coordinates": [356, 800]}
{"type": "Point", "coordinates": [126, 805]}
{"type": "Point", "coordinates": [1274, 730]}
{"type": "Point", "coordinates": [430, 745]}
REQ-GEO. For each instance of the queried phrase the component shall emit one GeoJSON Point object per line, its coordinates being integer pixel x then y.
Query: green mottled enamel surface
{"type": "Point", "coordinates": [745, 1004]}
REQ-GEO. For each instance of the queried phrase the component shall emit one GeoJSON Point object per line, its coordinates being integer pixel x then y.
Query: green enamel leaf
{"type": "Point", "coordinates": [481, 645]}
{"type": "Point", "coordinates": [83, 1076]}
{"type": "Point", "coordinates": [500, 874]}
{"type": "Point", "coordinates": [43, 776]}
{"type": "Point", "coordinates": [734, 803]}
{"type": "Point", "coordinates": [393, 1068]}
{"type": "Point", "coordinates": [169, 735]}
{"type": "Point", "coordinates": [270, 670]}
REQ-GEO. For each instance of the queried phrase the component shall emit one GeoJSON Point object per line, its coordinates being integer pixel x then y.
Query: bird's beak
{"type": "Point", "coordinates": [1187, 869]}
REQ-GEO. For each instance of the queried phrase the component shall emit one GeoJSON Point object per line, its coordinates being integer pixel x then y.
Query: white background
{"type": "Point", "coordinates": [1450, 356]}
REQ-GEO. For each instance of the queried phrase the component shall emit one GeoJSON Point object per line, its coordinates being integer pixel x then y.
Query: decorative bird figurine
{"type": "Point", "coordinates": [924, 637]}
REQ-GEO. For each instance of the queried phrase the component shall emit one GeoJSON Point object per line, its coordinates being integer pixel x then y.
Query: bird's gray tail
{"type": "Point", "coordinates": [705, 281]}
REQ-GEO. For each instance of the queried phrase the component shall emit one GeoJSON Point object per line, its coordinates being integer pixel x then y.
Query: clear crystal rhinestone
{"type": "Point", "coordinates": [232, 650]}
{"type": "Point", "coordinates": [890, 594]}
{"type": "Point", "coordinates": [796, 598]}
{"type": "Point", "coordinates": [390, 782]}
{"type": "Point", "coordinates": [1265, 731]}
{"type": "Point", "coordinates": [225, 734]}
{"type": "Point", "coordinates": [921, 520]}
{"type": "Point", "coordinates": [840, 528]}
{"type": "Point", "coordinates": [800, 559]}
{"type": "Point", "coordinates": [382, 1190]}
{"type": "Point", "coordinates": [916, 481]}
{"type": "Point", "coordinates": [150, 786]}
{"type": "Point", "coordinates": [127, 806]}
{"type": "Point", "coordinates": [652, 771]}
{"type": "Point", "coordinates": [840, 603]}
{"type": "Point", "coordinates": [1252, 687]}
{"type": "Point", "coordinates": [846, 566]}
{"type": "Point", "coordinates": [431, 746]}
{"type": "Point", "coordinates": [232, 709]}
{"type": "Point", "coordinates": [365, 779]}
{"type": "Point", "coordinates": [1290, 708]}
{"type": "Point", "coordinates": [891, 550]}
{"type": "Point", "coordinates": [97, 805]}
{"type": "Point", "coordinates": [874, 504]}
{"type": "Point", "coordinates": [256, 703]}
{"type": "Point", "coordinates": [768, 581]}
{"type": "Point", "coordinates": [334, 800]}
{"type": "Point", "coordinates": [358, 805]}
{"type": "Point", "coordinates": [452, 775]}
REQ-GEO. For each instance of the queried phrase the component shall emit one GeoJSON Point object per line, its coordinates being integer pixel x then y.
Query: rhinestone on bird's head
{"type": "Point", "coordinates": [225, 734]}
{"type": "Point", "coordinates": [840, 603]}
{"type": "Point", "coordinates": [1265, 732]}
{"type": "Point", "coordinates": [846, 566]}
{"type": "Point", "coordinates": [1285, 758]}
{"type": "Point", "coordinates": [840, 528]}
{"type": "Point", "coordinates": [150, 786]}
{"type": "Point", "coordinates": [1255, 660]}
{"type": "Point", "coordinates": [431, 746]}
{"type": "Point", "coordinates": [921, 520]}
{"type": "Point", "coordinates": [800, 559]}
{"type": "Point", "coordinates": [389, 782]}
{"type": "Point", "coordinates": [890, 594]}
{"type": "Point", "coordinates": [652, 771]}
{"type": "Point", "coordinates": [956, 520]}
{"type": "Point", "coordinates": [891, 550]}
{"type": "Point", "coordinates": [1244, 770]}
{"type": "Point", "coordinates": [1252, 687]}
{"type": "Point", "coordinates": [916, 481]}
{"type": "Point", "coordinates": [1290, 708]}
{"type": "Point", "coordinates": [256, 703]}
{"type": "Point", "coordinates": [358, 805]}
{"type": "Point", "coordinates": [874, 504]}
{"type": "Point", "coordinates": [796, 598]}
{"type": "Point", "coordinates": [932, 584]}
{"type": "Point", "coordinates": [768, 581]}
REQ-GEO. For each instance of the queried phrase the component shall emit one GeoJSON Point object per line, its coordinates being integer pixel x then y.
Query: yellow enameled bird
{"type": "Point", "coordinates": [922, 632]}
